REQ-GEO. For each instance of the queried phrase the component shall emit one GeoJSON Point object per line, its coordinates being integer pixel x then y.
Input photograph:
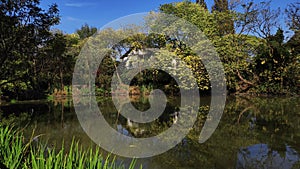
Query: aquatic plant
{"type": "Point", "coordinates": [16, 153]}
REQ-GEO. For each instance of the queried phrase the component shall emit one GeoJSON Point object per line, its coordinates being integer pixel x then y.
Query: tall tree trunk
{"type": "Point", "coordinates": [61, 80]}
{"type": "Point", "coordinates": [62, 114]}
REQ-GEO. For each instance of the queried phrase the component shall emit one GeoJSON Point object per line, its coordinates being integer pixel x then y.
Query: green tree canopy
{"type": "Point", "coordinates": [24, 30]}
{"type": "Point", "coordinates": [202, 3]}
{"type": "Point", "coordinates": [86, 31]}
{"type": "Point", "coordinates": [220, 5]}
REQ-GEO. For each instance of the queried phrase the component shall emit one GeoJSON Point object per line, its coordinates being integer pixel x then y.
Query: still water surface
{"type": "Point", "coordinates": [253, 132]}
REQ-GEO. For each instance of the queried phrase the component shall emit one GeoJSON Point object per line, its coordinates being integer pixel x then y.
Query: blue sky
{"type": "Point", "coordinates": [75, 13]}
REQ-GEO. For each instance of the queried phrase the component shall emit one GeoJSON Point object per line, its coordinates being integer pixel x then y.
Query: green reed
{"type": "Point", "coordinates": [16, 153]}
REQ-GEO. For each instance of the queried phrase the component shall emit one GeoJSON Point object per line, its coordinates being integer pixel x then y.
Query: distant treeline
{"type": "Point", "coordinates": [258, 56]}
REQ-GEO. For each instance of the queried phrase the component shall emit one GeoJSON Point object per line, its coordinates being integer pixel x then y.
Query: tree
{"type": "Point", "coordinates": [271, 62]}
{"type": "Point", "coordinates": [222, 15]}
{"type": "Point", "coordinates": [220, 5]}
{"type": "Point", "coordinates": [57, 49]}
{"type": "Point", "coordinates": [196, 15]}
{"type": "Point", "coordinates": [201, 3]}
{"type": "Point", "coordinates": [293, 15]}
{"type": "Point", "coordinates": [294, 44]}
{"type": "Point", "coordinates": [261, 19]}
{"type": "Point", "coordinates": [86, 31]}
{"type": "Point", "coordinates": [258, 63]}
{"type": "Point", "coordinates": [24, 30]}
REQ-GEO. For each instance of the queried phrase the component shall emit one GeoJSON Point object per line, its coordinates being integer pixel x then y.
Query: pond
{"type": "Point", "coordinates": [254, 132]}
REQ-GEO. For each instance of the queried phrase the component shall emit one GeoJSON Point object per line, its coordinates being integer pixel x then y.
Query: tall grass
{"type": "Point", "coordinates": [11, 147]}
{"type": "Point", "coordinates": [15, 153]}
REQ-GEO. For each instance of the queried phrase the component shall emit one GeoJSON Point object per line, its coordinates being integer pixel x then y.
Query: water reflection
{"type": "Point", "coordinates": [262, 156]}
{"type": "Point", "coordinates": [253, 132]}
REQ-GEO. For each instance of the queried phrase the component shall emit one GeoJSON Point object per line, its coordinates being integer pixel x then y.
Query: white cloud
{"type": "Point", "coordinates": [72, 18]}
{"type": "Point", "coordinates": [78, 5]}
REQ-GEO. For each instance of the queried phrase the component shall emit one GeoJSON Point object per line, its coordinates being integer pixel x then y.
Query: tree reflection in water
{"type": "Point", "coordinates": [261, 156]}
{"type": "Point", "coordinates": [254, 132]}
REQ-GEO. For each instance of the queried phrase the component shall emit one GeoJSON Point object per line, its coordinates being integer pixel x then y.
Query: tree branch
{"type": "Point", "coordinates": [10, 81]}
{"type": "Point", "coordinates": [127, 53]}
{"type": "Point", "coordinates": [244, 80]}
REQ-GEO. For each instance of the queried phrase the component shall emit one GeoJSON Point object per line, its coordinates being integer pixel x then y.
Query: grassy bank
{"type": "Point", "coordinates": [15, 152]}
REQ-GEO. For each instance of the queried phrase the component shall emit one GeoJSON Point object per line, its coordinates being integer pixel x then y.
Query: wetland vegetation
{"type": "Point", "coordinates": [259, 51]}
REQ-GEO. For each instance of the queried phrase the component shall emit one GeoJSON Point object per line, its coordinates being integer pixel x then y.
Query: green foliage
{"type": "Point", "coordinates": [105, 72]}
{"type": "Point", "coordinates": [193, 63]}
{"type": "Point", "coordinates": [11, 147]}
{"type": "Point", "coordinates": [194, 14]}
{"type": "Point", "coordinates": [36, 61]}
{"type": "Point", "coordinates": [24, 28]}
{"type": "Point", "coordinates": [252, 64]}
{"type": "Point", "coordinates": [15, 153]}
{"type": "Point", "coordinates": [220, 5]}
{"type": "Point", "coordinates": [201, 3]}
{"type": "Point", "coordinates": [146, 89]}
{"type": "Point", "coordinates": [86, 31]}
{"type": "Point", "coordinates": [13, 101]}
{"type": "Point", "coordinates": [274, 65]}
